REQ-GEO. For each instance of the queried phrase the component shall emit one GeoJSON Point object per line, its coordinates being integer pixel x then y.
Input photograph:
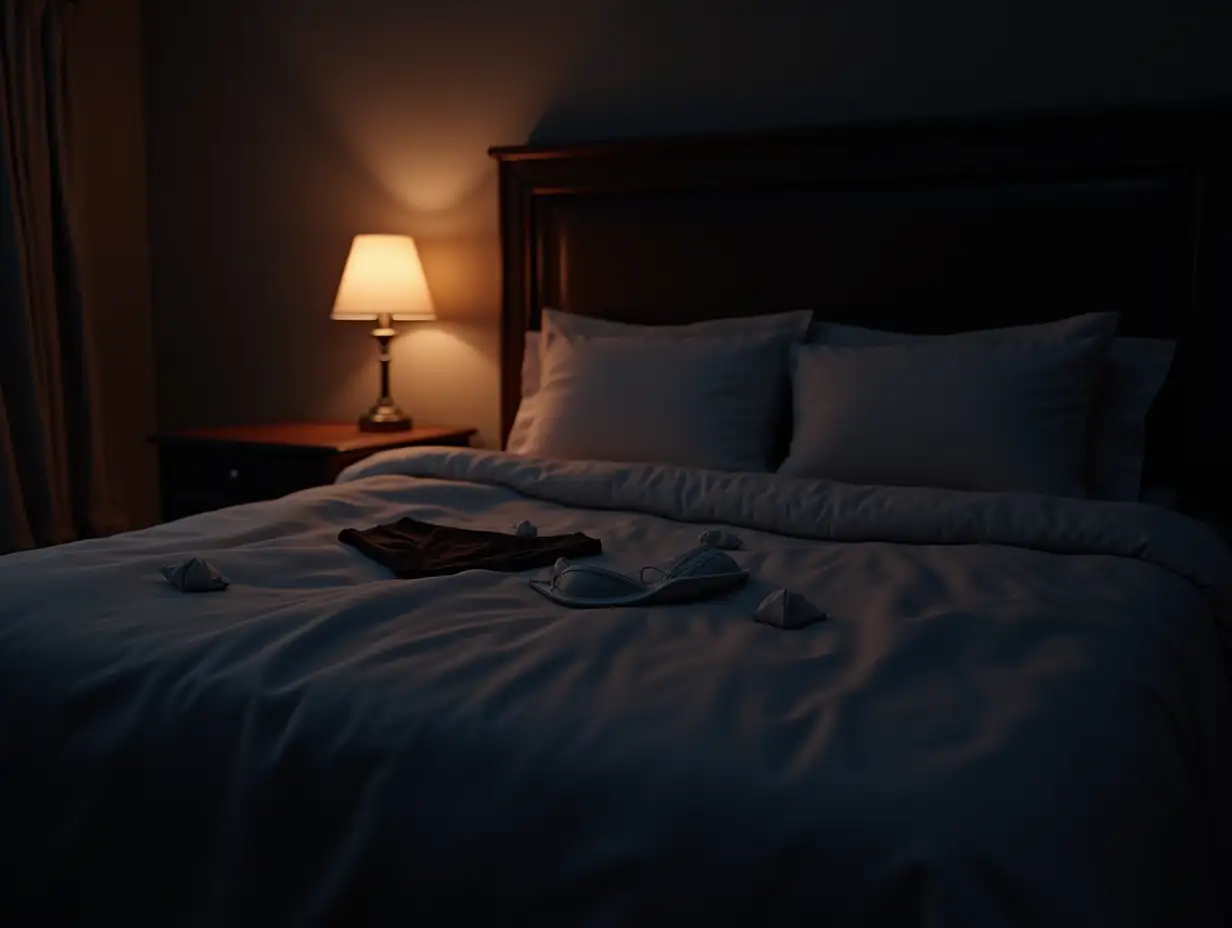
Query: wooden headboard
{"type": "Point", "coordinates": [926, 227]}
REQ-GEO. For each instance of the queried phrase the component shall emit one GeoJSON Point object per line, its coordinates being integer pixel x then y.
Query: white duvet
{"type": "Point", "coordinates": [1019, 713]}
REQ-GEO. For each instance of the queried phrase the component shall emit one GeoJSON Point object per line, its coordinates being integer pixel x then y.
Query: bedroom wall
{"type": "Point", "coordinates": [277, 129]}
{"type": "Point", "coordinates": [109, 150]}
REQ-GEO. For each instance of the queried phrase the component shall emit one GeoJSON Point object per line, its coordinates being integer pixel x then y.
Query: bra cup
{"type": "Point", "coordinates": [590, 582]}
{"type": "Point", "coordinates": [703, 560]}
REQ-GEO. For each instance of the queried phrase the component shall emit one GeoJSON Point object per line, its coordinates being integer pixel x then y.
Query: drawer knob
{"type": "Point", "coordinates": [233, 474]}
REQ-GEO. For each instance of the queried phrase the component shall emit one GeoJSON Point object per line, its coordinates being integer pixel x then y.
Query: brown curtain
{"type": "Point", "coordinates": [53, 485]}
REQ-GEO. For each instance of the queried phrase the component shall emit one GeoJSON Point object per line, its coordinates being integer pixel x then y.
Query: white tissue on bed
{"type": "Point", "coordinates": [525, 529]}
{"type": "Point", "coordinates": [195, 576]}
{"type": "Point", "coordinates": [785, 609]}
{"type": "Point", "coordinates": [716, 538]}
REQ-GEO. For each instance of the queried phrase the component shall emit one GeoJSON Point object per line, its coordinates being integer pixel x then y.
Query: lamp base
{"type": "Point", "coordinates": [384, 417]}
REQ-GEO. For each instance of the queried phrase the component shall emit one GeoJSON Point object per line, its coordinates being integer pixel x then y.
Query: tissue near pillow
{"type": "Point", "coordinates": [698, 402]}
{"type": "Point", "coordinates": [963, 415]}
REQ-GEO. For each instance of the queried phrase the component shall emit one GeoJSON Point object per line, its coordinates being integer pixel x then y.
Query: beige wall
{"type": "Point", "coordinates": [109, 153]}
{"type": "Point", "coordinates": [279, 128]}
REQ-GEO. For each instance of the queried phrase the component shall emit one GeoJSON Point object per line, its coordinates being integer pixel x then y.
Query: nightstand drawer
{"type": "Point", "coordinates": [241, 473]}
{"type": "Point", "coordinates": [206, 469]}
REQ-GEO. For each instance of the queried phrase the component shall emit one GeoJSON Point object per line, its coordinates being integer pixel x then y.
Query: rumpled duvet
{"type": "Point", "coordinates": [1018, 713]}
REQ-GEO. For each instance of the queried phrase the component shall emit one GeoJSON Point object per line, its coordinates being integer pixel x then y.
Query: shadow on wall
{"type": "Point", "coordinates": [279, 129]}
{"type": "Point", "coordinates": [419, 91]}
{"type": "Point", "coordinates": [654, 68]}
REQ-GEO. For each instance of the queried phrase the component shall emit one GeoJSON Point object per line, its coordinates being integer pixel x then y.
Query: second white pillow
{"type": "Point", "coordinates": [959, 414]}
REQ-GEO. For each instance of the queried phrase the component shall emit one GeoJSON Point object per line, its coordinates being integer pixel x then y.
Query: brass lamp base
{"type": "Point", "coordinates": [384, 417]}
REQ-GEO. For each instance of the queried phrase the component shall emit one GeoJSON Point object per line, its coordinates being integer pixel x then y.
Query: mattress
{"type": "Point", "coordinates": [1017, 713]}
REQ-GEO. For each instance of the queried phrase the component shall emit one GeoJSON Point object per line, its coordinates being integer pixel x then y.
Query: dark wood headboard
{"type": "Point", "coordinates": [925, 227]}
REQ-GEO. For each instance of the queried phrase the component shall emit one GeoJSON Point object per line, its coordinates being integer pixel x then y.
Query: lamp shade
{"type": "Point", "coordinates": [383, 276]}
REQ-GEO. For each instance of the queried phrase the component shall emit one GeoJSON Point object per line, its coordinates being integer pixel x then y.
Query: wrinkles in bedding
{"type": "Point", "coordinates": [983, 733]}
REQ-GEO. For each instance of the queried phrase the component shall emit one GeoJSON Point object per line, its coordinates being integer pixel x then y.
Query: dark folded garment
{"type": "Point", "coordinates": [420, 549]}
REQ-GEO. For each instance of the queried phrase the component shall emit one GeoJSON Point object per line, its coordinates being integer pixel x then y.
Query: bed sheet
{"type": "Point", "coordinates": [1017, 713]}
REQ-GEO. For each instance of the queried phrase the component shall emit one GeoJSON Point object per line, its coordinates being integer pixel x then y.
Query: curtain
{"type": "Point", "coordinates": [53, 484]}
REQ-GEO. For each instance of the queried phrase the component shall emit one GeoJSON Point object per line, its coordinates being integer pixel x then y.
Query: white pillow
{"type": "Point", "coordinates": [556, 324]}
{"type": "Point", "coordinates": [531, 367]}
{"type": "Point", "coordinates": [1133, 375]}
{"type": "Point", "coordinates": [696, 402]}
{"type": "Point", "coordinates": [1087, 325]}
{"type": "Point", "coordinates": [519, 431]}
{"type": "Point", "coordinates": [960, 414]}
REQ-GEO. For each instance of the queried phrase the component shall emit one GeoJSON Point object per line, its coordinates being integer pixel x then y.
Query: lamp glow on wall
{"type": "Point", "coordinates": [383, 282]}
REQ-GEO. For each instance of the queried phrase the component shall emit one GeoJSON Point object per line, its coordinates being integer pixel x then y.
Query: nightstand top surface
{"type": "Point", "coordinates": [338, 437]}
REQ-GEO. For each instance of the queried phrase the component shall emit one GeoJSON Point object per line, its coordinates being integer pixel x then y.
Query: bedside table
{"type": "Point", "coordinates": [205, 469]}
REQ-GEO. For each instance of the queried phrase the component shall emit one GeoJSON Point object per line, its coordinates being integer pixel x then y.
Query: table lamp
{"type": "Point", "coordinates": [383, 282]}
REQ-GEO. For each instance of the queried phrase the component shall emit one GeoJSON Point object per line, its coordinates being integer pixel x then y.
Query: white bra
{"type": "Point", "coordinates": [700, 573]}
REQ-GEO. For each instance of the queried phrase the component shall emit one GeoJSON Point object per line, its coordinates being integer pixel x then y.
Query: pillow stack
{"type": "Point", "coordinates": [1057, 409]}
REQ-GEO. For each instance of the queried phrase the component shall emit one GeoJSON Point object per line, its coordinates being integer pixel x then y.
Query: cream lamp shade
{"type": "Point", "coordinates": [383, 277]}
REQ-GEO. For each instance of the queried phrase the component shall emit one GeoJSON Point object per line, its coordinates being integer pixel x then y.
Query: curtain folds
{"type": "Point", "coordinates": [53, 481]}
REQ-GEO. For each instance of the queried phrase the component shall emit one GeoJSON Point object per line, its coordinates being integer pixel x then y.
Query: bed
{"type": "Point", "coordinates": [1017, 713]}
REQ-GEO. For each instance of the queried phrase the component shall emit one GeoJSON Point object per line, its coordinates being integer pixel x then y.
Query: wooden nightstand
{"type": "Point", "coordinates": [205, 469]}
